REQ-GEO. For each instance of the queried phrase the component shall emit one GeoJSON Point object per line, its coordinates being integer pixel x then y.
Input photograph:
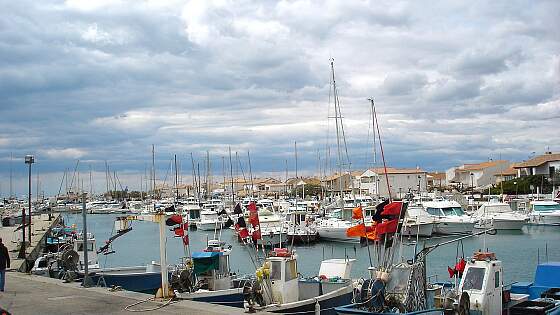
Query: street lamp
{"type": "Point", "coordinates": [29, 159]}
{"type": "Point", "coordinates": [515, 183]}
{"type": "Point", "coordinates": [472, 184]}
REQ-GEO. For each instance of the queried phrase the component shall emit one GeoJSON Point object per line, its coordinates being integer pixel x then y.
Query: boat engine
{"type": "Point", "coordinates": [253, 293]}
{"type": "Point", "coordinates": [371, 294]}
{"type": "Point", "coordinates": [183, 280]}
{"type": "Point", "coordinates": [69, 262]}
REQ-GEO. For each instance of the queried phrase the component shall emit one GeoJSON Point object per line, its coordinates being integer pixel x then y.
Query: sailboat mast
{"type": "Point", "coordinates": [336, 118]}
{"type": "Point", "coordinates": [176, 180]}
{"type": "Point", "coordinates": [231, 176]}
{"type": "Point", "coordinates": [153, 170]}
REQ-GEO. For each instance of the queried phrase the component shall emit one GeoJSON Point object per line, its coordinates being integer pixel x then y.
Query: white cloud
{"type": "Point", "coordinates": [68, 153]}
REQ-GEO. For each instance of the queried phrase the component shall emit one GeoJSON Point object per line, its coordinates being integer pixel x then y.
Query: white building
{"type": "Point", "coordinates": [477, 175]}
{"type": "Point", "coordinates": [401, 181]}
{"type": "Point", "coordinates": [546, 164]}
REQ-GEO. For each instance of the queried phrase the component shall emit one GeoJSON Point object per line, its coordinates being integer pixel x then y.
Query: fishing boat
{"type": "Point", "coordinates": [544, 212]}
{"type": "Point", "coordinates": [499, 216]}
{"type": "Point", "coordinates": [333, 227]}
{"type": "Point", "coordinates": [208, 278]}
{"type": "Point", "coordinates": [278, 289]}
{"type": "Point", "coordinates": [272, 227]}
{"type": "Point", "coordinates": [209, 221]}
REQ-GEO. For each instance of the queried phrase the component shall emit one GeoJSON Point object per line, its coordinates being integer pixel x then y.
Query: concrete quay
{"type": "Point", "coordinates": [29, 294]}
{"type": "Point", "coordinates": [40, 225]}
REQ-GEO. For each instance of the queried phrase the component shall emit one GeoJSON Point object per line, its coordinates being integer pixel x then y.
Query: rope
{"type": "Point", "coordinates": [151, 299]}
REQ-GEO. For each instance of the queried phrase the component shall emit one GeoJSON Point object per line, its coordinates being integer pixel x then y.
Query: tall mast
{"type": "Point", "coordinates": [336, 118]}
{"type": "Point", "coordinates": [11, 175]}
{"type": "Point", "coordinates": [153, 170]}
{"type": "Point", "coordinates": [251, 175]}
{"type": "Point", "coordinates": [208, 187]}
{"type": "Point", "coordinates": [231, 176]}
{"type": "Point", "coordinates": [176, 180]}
{"type": "Point", "coordinates": [91, 182]}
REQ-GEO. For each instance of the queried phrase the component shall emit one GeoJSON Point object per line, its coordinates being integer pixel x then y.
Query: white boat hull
{"type": "Point", "coordinates": [421, 229]}
{"type": "Point", "coordinates": [449, 228]}
{"type": "Point", "coordinates": [208, 226]}
{"type": "Point", "coordinates": [334, 234]}
{"type": "Point", "coordinates": [544, 218]}
{"type": "Point", "coordinates": [499, 224]}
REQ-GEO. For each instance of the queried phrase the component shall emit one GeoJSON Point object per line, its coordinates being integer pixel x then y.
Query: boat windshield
{"type": "Point", "coordinates": [547, 207]}
{"type": "Point", "coordinates": [474, 279]}
{"type": "Point", "coordinates": [453, 211]}
{"type": "Point", "coordinates": [434, 211]}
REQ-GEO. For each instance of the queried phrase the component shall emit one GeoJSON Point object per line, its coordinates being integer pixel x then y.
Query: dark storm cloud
{"type": "Point", "coordinates": [104, 80]}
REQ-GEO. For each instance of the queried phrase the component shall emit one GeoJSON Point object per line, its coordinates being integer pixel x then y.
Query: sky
{"type": "Point", "coordinates": [101, 81]}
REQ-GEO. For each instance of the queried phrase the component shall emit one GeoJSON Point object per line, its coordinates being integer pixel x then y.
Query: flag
{"type": "Point", "coordinates": [222, 212]}
{"type": "Point", "coordinates": [357, 213]}
{"type": "Point", "coordinates": [241, 223]}
{"type": "Point", "coordinates": [451, 271]}
{"type": "Point", "coordinates": [378, 209]}
{"type": "Point", "coordinates": [228, 223]}
{"type": "Point", "coordinates": [393, 209]}
{"type": "Point", "coordinates": [186, 240]}
{"type": "Point", "coordinates": [243, 233]}
{"type": "Point", "coordinates": [389, 226]}
{"type": "Point", "coordinates": [179, 231]}
{"type": "Point", "coordinates": [237, 209]}
{"type": "Point", "coordinates": [256, 234]}
{"type": "Point", "coordinates": [253, 214]}
{"type": "Point", "coordinates": [252, 206]}
{"type": "Point", "coordinates": [173, 220]}
{"type": "Point", "coordinates": [356, 231]}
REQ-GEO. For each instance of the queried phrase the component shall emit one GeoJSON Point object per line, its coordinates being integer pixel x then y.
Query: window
{"type": "Point", "coordinates": [433, 211]}
{"type": "Point", "coordinates": [474, 279]}
{"type": "Point", "coordinates": [81, 246]}
{"type": "Point", "coordinates": [291, 270]}
{"type": "Point", "coordinates": [496, 279]}
{"type": "Point", "coordinates": [275, 270]}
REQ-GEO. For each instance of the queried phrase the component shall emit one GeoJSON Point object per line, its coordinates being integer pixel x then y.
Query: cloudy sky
{"type": "Point", "coordinates": [453, 82]}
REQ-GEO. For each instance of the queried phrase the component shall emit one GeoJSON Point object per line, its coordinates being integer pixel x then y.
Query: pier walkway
{"type": "Point", "coordinates": [40, 225]}
{"type": "Point", "coordinates": [29, 294]}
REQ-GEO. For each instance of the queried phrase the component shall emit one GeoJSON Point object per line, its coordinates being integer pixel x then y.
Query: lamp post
{"type": "Point", "coordinates": [472, 183]}
{"type": "Point", "coordinates": [29, 159]}
{"type": "Point", "coordinates": [515, 183]}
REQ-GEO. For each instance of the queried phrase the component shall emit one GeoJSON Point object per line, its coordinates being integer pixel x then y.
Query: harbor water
{"type": "Point", "coordinates": [520, 251]}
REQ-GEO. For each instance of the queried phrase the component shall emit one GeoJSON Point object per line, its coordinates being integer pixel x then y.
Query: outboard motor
{"type": "Point", "coordinates": [183, 280]}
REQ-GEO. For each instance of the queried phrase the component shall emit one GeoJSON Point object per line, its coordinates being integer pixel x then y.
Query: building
{"type": "Point", "coordinates": [478, 175]}
{"type": "Point", "coordinates": [436, 180]}
{"type": "Point", "coordinates": [546, 164]}
{"type": "Point", "coordinates": [507, 174]}
{"type": "Point", "coordinates": [336, 182]}
{"type": "Point", "coordinates": [401, 181]}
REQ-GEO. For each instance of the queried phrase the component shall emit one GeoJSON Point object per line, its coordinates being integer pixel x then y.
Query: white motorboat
{"type": "Point", "coordinates": [417, 222]}
{"type": "Point", "coordinates": [499, 216]}
{"type": "Point", "coordinates": [301, 227]}
{"type": "Point", "coordinates": [273, 230]}
{"type": "Point", "coordinates": [545, 212]}
{"type": "Point", "coordinates": [333, 227]}
{"type": "Point", "coordinates": [209, 221]}
{"type": "Point", "coordinates": [450, 217]}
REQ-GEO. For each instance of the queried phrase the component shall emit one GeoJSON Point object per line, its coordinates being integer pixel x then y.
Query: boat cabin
{"type": "Point", "coordinates": [90, 245]}
{"type": "Point", "coordinates": [212, 270]}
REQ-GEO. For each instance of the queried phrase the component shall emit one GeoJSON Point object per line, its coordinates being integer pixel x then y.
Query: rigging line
{"type": "Point", "coordinates": [382, 152]}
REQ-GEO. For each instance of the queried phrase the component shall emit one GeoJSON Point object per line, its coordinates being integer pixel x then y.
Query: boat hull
{"type": "Point", "coordinates": [302, 238]}
{"type": "Point", "coordinates": [422, 230]}
{"type": "Point", "coordinates": [131, 280]}
{"type": "Point", "coordinates": [449, 228]}
{"type": "Point", "coordinates": [544, 218]}
{"type": "Point", "coordinates": [334, 234]}
{"type": "Point", "coordinates": [498, 224]}
{"type": "Point", "coordinates": [208, 226]}
{"type": "Point", "coordinates": [327, 303]}
{"type": "Point", "coordinates": [352, 309]}
{"type": "Point", "coordinates": [230, 297]}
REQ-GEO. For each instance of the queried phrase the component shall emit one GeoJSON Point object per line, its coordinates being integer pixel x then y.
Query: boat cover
{"type": "Point", "coordinates": [206, 261]}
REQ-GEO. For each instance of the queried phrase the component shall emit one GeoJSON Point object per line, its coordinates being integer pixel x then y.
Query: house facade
{"type": "Point", "coordinates": [478, 175]}
{"type": "Point", "coordinates": [546, 164]}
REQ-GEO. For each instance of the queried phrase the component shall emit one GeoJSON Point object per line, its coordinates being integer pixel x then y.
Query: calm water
{"type": "Point", "coordinates": [517, 250]}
